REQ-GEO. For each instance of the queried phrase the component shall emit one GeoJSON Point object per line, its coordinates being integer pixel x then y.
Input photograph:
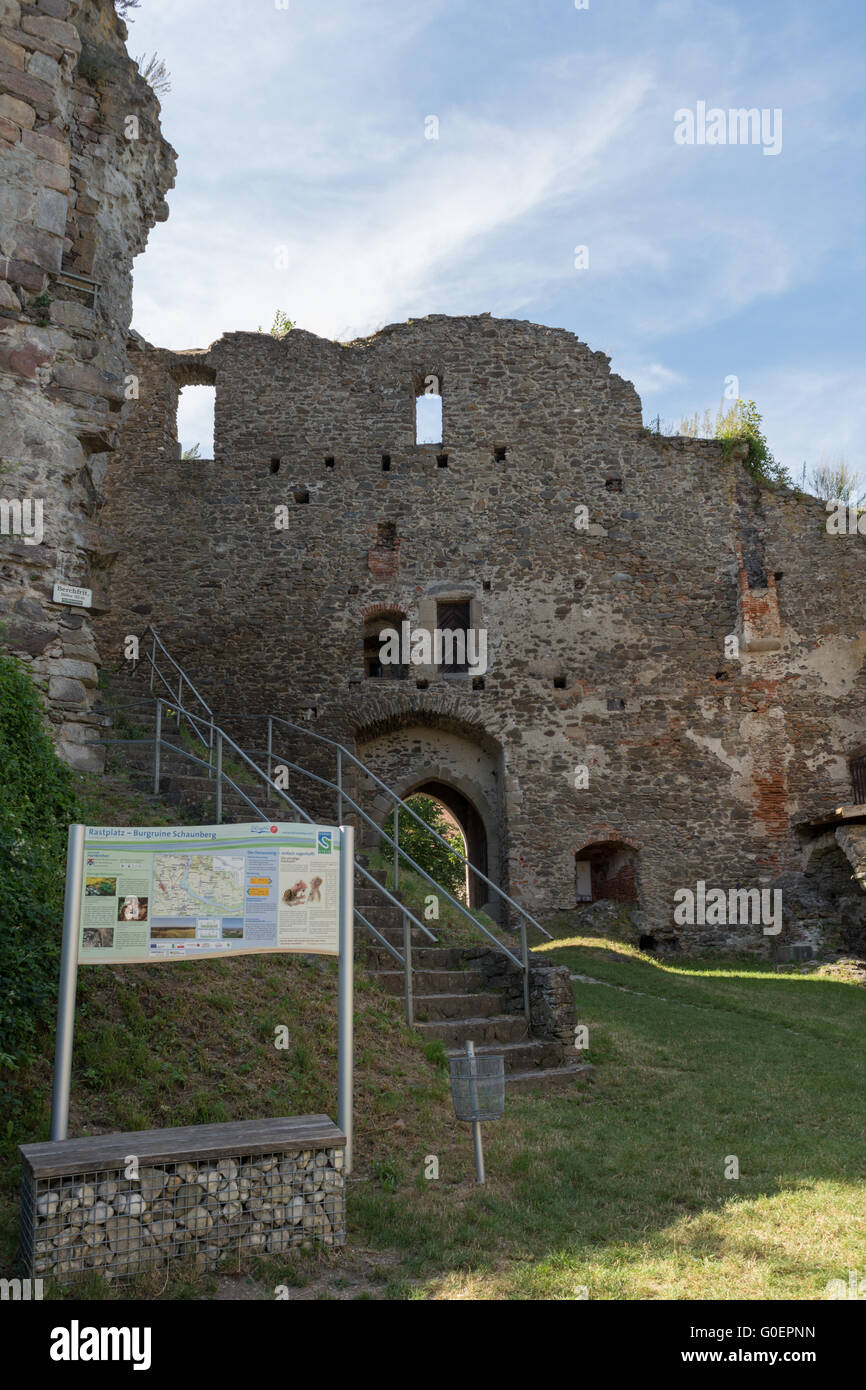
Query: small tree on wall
{"type": "Point", "coordinates": [439, 863]}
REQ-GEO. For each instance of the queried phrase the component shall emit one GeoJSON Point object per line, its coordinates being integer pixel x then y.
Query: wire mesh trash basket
{"type": "Point", "coordinates": [478, 1087]}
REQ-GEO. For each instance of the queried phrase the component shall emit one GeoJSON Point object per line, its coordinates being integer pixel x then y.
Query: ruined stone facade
{"type": "Point", "coordinates": [614, 727]}
{"type": "Point", "coordinates": [83, 174]}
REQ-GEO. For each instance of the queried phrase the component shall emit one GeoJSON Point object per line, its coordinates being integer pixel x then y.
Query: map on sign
{"type": "Point", "coordinates": [193, 885]}
{"type": "Point", "coordinates": [180, 892]}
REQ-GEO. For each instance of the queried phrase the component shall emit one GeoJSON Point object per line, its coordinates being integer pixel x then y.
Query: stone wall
{"type": "Point", "coordinates": [83, 173]}
{"type": "Point", "coordinates": [552, 1010]}
{"type": "Point", "coordinates": [606, 628]}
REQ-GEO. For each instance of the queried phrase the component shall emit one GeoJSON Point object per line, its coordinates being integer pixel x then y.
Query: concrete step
{"type": "Point", "coordinates": [431, 981]}
{"type": "Point", "coordinates": [532, 1055]}
{"type": "Point", "coordinates": [436, 1007]}
{"type": "Point", "coordinates": [495, 1028]}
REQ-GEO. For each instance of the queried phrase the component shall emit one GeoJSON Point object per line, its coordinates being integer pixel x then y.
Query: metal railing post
{"type": "Point", "coordinates": [345, 993]}
{"type": "Point", "coordinates": [153, 661]}
{"type": "Point", "coordinates": [219, 777]}
{"type": "Point", "coordinates": [180, 693]}
{"type": "Point", "coordinates": [157, 744]}
{"type": "Point", "coordinates": [68, 981]}
{"type": "Point", "coordinates": [210, 748]}
{"type": "Point", "coordinates": [473, 1100]}
{"type": "Point", "coordinates": [407, 966]}
{"type": "Point", "coordinates": [270, 757]}
{"type": "Point", "coordinates": [339, 786]}
{"type": "Point", "coordinates": [525, 957]}
{"type": "Point", "coordinates": [396, 846]}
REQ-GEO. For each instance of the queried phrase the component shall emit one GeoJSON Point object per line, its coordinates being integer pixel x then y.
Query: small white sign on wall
{"type": "Point", "coordinates": [69, 593]}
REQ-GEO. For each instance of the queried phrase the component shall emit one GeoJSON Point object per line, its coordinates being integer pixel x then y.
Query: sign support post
{"type": "Point", "coordinates": [68, 983]}
{"type": "Point", "coordinates": [345, 990]}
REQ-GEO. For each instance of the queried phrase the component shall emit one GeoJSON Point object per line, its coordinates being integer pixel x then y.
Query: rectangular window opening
{"type": "Point", "coordinates": [428, 413]}
{"type": "Point", "coordinates": [453, 617]}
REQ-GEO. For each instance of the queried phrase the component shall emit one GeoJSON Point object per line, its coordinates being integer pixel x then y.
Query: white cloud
{"type": "Point", "coordinates": [651, 378]}
{"type": "Point", "coordinates": [810, 411]}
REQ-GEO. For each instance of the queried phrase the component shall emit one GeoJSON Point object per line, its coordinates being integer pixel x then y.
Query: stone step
{"type": "Point", "coordinates": [419, 941]}
{"type": "Point", "coordinates": [424, 958]}
{"type": "Point", "coordinates": [385, 917]}
{"type": "Point", "coordinates": [496, 1028]}
{"type": "Point", "coordinates": [395, 934]}
{"type": "Point", "coordinates": [533, 1055]}
{"type": "Point", "coordinates": [431, 981]}
{"type": "Point", "coordinates": [550, 1078]}
{"type": "Point", "coordinates": [435, 1007]}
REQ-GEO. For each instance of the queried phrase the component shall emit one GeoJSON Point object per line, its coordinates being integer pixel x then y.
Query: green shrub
{"type": "Point", "coordinates": [445, 867]}
{"type": "Point", "coordinates": [37, 804]}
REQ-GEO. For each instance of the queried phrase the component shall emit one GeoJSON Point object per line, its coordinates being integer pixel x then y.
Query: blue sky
{"type": "Point", "coordinates": [306, 182]}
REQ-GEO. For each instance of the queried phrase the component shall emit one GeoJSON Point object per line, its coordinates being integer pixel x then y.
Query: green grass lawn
{"type": "Point", "coordinates": [620, 1188]}
{"type": "Point", "coordinates": [616, 1187]}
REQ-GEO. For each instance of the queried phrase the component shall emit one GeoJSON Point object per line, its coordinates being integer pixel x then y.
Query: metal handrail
{"type": "Point", "coordinates": [221, 775]}
{"type": "Point", "coordinates": [408, 915]}
{"type": "Point", "coordinates": [404, 805]}
{"type": "Point", "coordinates": [183, 679]}
{"type": "Point", "coordinates": [215, 741]}
{"type": "Point", "coordinates": [383, 834]}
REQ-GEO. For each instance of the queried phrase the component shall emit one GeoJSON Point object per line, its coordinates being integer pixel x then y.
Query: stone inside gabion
{"type": "Point", "coordinates": [120, 1226]}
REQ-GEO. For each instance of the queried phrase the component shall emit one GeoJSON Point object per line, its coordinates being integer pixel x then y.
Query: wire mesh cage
{"type": "Point", "coordinates": [478, 1087]}
{"type": "Point", "coordinates": [122, 1221]}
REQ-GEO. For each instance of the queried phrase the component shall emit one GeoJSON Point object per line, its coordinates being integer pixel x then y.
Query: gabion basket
{"type": "Point", "coordinates": [478, 1087]}
{"type": "Point", "coordinates": [259, 1204]}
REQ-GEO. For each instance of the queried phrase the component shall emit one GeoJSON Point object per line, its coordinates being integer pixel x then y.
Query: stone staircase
{"type": "Point", "coordinates": [452, 1003]}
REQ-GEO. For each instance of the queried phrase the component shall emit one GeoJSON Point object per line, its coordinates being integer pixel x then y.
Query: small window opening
{"type": "Point", "coordinates": [329, 460]}
{"type": "Point", "coordinates": [559, 682]}
{"type": "Point", "coordinates": [275, 465]}
{"type": "Point", "coordinates": [477, 682]}
{"type": "Point", "coordinates": [422, 684]}
{"type": "Point", "coordinates": [499, 453]}
{"type": "Point", "coordinates": [721, 676]}
{"type": "Point", "coordinates": [441, 460]}
{"type": "Point", "coordinates": [646, 943]}
{"type": "Point", "coordinates": [195, 422]}
{"type": "Point", "coordinates": [301, 494]}
{"type": "Point", "coordinates": [616, 703]}
{"type": "Point", "coordinates": [374, 643]}
{"type": "Point", "coordinates": [452, 620]}
{"type": "Point", "coordinates": [485, 584]}
{"type": "Point", "coordinates": [386, 463]}
{"type": "Point", "coordinates": [613, 484]}
{"type": "Point", "coordinates": [386, 535]}
{"type": "Point", "coordinates": [428, 413]}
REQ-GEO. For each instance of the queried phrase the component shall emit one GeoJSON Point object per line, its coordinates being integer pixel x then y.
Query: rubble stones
{"type": "Point", "coordinates": [121, 1226]}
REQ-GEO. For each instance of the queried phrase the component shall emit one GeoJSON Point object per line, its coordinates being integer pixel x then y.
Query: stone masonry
{"type": "Point", "coordinates": [83, 174]}
{"type": "Point", "coordinates": [614, 723]}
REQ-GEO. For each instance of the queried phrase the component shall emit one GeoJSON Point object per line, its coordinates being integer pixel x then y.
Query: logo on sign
{"type": "Point", "coordinates": [324, 841]}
